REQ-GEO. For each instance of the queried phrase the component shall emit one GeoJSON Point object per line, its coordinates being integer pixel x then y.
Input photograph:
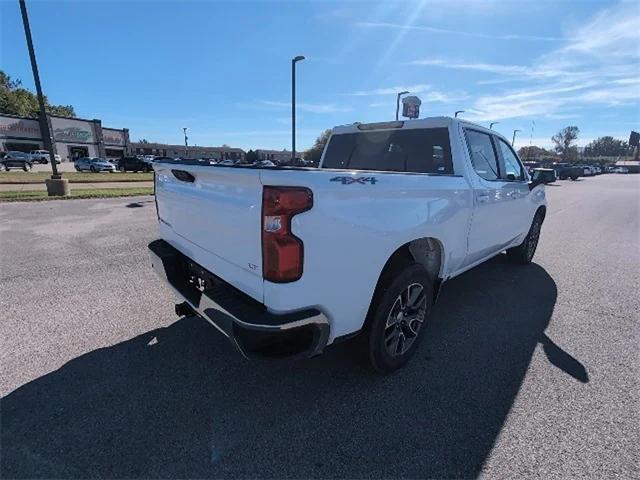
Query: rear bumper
{"type": "Point", "coordinates": [250, 327]}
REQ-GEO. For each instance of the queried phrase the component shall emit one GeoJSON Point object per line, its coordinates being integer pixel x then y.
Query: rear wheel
{"type": "Point", "coordinates": [26, 167]}
{"type": "Point", "coordinates": [399, 314]}
{"type": "Point", "coordinates": [44, 160]}
{"type": "Point", "coordinates": [523, 253]}
{"type": "Point", "coordinates": [93, 169]}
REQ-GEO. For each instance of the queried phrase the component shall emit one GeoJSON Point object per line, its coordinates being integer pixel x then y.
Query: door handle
{"type": "Point", "coordinates": [482, 198]}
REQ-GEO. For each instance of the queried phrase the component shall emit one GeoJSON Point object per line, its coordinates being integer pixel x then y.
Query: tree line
{"type": "Point", "coordinates": [16, 100]}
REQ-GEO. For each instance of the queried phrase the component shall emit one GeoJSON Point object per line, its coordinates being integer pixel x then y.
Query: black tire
{"type": "Point", "coordinates": [93, 169]}
{"type": "Point", "coordinates": [574, 178]}
{"type": "Point", "coordinates": [26, 167]}
{"type": "Point", "coordinates": [393, 336]}
{"type": "Point", "coordinates": [563, 177]}
{"type": "Point", "coordinates": [44, 161]}
{"type": "Point", "coordinates": [523, 253]}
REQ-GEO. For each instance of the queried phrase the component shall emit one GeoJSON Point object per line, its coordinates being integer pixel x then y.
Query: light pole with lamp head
{"type": "Point", "coordinates": [404, 92]}
{"type": "Point", "coordinates": [457, 112]}
{"type": "Point", "coordinates": [513, 140]}
{"type": "Point", "coordinates": [294, 60]}
{"type": "Point", "coordinates": [492, 124]}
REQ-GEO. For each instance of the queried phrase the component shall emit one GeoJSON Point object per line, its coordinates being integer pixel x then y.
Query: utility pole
{"type": "Point", "coordinates": [294, 60]}
{"type": "Point", "coordinates": [533, 126]}
{"type": "Point", "coordinates": [404, 92]}
{"type": "Point", "coordinates": [186, 144]}
{"type": "Point", "coordinates": [57, 186]}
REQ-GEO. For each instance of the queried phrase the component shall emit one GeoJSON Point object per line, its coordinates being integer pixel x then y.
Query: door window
{"type": "Point", "coordinates": [512, 168]}
{"type": "Point", "coordinates": [483, 155]}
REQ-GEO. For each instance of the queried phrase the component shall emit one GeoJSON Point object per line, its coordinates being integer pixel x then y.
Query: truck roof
{"type": "Point", "coordinates": [428, 122]}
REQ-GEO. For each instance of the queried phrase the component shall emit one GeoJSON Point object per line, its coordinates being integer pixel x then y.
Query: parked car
{"type": "Point", "coordinates": [543, 175]}
{"type": "Point", "coordinates": [620, 170]}
{"type": "Point", "coordinates": [287, 261]}
{"type": "Point", "coordinates": [14, 159]}
{"type": "Point", "coordinates": [566, 170]}
{"type": "Point", "coordinates": [94, 165]}
{"type": "Point", "coordinates": [42, 156]}
{"type": "Point", "coordinates": [134, 164]}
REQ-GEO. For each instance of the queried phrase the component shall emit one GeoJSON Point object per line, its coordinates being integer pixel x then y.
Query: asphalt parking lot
{"type": "Point", "coordinates": [526, 371]}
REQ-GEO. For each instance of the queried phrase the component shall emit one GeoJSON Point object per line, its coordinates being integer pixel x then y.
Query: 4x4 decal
{"type": "Point", "coordinates": [350, 180]}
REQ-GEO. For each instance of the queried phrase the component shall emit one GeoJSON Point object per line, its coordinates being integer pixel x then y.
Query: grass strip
{"type": "Point", "coordinates": [38, 195]}
{"type": "Point", "coordinates": [74, 177]}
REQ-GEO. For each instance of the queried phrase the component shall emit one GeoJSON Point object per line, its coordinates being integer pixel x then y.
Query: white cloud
{"type": "Point", "coordinates": [392, 90]}
{"type": "Point", "coordinates": [599, 64]}
{"type": "Point", "coordinates": [407, 27]}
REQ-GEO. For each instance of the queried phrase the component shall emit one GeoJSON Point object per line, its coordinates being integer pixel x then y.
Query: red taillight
{"type": "Point", "coordinates": [282, 251]}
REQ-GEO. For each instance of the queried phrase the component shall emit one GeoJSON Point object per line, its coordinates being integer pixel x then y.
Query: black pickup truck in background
{"type": "Point", "coordinates": [134, 164]}
{"type": "Point", "coordinates": [566, 170]}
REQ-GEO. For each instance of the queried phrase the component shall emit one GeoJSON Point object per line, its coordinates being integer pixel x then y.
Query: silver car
{"type": "Point", "coordinates": [94, 165]}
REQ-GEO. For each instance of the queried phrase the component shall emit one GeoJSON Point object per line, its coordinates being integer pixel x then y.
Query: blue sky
{"type": "Point", "coordinates": [222, 69]}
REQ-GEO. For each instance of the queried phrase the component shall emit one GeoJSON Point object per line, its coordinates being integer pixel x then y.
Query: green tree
{"type": "Point", "coordinates": [606, 147]}
{"type": "Point", "coordinates": [15, 100]}
{"type": "Point", "coordinates": [534, 152]}
{"type": "Point", "coordinates": [564, 143]}
{"type": "Point", "coordinates": [143, 140]}
{"type": "Point", "coordinates": [251, 156]}
{"type": "Point", "coordinates": [314, 153]}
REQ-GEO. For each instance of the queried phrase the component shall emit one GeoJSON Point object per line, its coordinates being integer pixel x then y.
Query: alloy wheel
{"type": "Point", "coordinates": [405, 319]}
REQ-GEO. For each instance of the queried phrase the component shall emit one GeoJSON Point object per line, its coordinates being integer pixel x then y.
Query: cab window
{"type": "Point", "coordinates": [483, 155]}
{"type": "Point", "coordinates": [512, 169]}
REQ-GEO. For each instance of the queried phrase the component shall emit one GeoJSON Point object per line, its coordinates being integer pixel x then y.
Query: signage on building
{"type": "Point", "coordinates": [70, 130]}
{"type": "Point", "coordinates": [113, 137]}
{"type": "Point", "coordinates": [411, 107]}
{"type": "Point", "coordinates": [17, 127]}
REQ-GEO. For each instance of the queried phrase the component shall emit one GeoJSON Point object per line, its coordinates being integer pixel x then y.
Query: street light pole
{"type": "Point", "coordinates": [513, 140]}
{"type": "Point", "coordinates": [404, 92]}
{"type": "Point", "coordinates": [294, 60]}
{"type": "Point", "coordinates": [186, 144]}
{"type": "Point", "coordinates": [44, 124]}
{"type": "Point", "coordinates": [457, 112]}
{"type": "Point", "coordinates": [492, 124]}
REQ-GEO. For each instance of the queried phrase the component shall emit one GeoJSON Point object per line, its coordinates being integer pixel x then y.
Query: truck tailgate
{"type": "Point", "coordinates": [213, 215]}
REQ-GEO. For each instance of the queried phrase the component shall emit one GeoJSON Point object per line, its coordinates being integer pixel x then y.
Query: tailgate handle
{"type": "Point", "coordinates": [183, 176]}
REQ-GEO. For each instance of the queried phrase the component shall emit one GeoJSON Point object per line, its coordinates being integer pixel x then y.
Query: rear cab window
{"type": "Point", "coordinates": [419, 150]}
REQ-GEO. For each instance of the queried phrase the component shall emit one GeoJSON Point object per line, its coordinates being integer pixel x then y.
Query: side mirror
{"type": "Point", "coordinates": [536, 179]}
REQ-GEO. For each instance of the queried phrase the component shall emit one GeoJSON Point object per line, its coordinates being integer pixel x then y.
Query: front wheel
{"type": "Point", "coordinates": [44, 161]}
{"type": "Point", "coordinates": [399, 315]}
{"type": "Point", "coordinates": [93, 169]}
{"type": "Point", "coordinates": [523, 253]}
{"type": "Point", "coordinates": [26, 167]}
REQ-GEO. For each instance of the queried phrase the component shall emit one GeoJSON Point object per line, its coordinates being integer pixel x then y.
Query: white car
{"type": "Point", "coordinates": [42, 156]}
{"type": "Point", "coordinates": [285, 261]}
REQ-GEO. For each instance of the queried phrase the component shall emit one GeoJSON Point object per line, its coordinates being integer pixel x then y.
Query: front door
{"type": "Point", "coordinates": [492, 228]}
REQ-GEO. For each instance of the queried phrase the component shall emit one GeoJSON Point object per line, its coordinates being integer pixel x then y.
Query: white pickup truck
{"type": "Point", "coordinates": [285, 261]}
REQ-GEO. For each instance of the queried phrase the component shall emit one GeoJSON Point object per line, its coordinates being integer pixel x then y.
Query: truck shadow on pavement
{"type": "Point", "coordinates": [179, 402]}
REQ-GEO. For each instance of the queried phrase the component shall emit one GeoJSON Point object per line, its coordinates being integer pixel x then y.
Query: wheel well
{"type": "Point", "coordinates": [542, 209]}
{"type": "Point", "coordinates": [426, 251]}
